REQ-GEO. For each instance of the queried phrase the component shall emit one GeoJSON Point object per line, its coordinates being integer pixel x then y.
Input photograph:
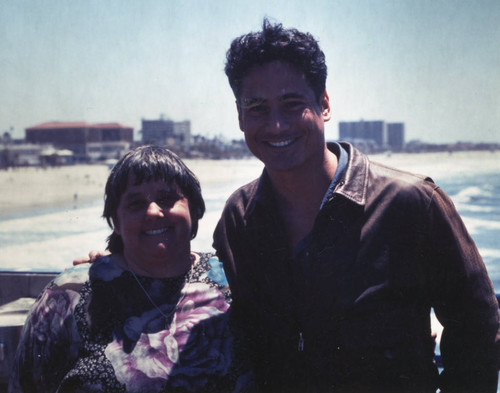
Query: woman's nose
{"type": "Point", "coordinates": [154, 209]}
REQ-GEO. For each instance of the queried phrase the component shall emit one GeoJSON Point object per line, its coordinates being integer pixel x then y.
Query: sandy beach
{"type": "Point", "coordinates": [26, 189]}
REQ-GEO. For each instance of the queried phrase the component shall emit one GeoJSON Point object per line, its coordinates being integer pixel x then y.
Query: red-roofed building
{"type": "Point", "coordinates": [86, 141]}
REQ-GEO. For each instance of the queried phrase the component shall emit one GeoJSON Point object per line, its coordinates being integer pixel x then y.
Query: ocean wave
{"type": "Point", "coordinates": [477, 225]}
{"type": "Point", "coordinates": [54, 254]}
{"type": "Point", "coordinates": [473, 193]}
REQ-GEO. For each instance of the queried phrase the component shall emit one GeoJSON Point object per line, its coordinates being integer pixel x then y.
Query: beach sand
{"type": "Point", "coordinates": [25, 189]}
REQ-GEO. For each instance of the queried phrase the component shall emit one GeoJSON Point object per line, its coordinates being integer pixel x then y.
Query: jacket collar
{"type": "Point", "coordinates": [355, 182]}
{"type": "Point", "coordinates": [352, 186]}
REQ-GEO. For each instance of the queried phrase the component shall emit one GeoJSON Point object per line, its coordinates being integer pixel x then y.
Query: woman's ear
{"type": "Point", "coordinates": [116, 226]}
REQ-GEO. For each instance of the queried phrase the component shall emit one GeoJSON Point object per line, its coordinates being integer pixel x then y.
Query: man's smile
{"type": "Point", "coordinates": [282, 143]}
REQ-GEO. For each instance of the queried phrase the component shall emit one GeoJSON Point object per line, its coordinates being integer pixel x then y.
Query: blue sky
{"type": "Point", "coordinates": [433, 65]}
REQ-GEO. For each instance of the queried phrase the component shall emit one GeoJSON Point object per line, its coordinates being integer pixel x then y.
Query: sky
{"type": "Point", "coordinates": [433, 65]}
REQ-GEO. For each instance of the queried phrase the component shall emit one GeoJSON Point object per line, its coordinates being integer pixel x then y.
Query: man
{"type": "Point", "coordinates": [334, 261]}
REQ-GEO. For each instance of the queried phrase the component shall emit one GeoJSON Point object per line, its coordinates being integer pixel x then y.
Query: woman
{"type": "Point", "coordinates": [151, 316]}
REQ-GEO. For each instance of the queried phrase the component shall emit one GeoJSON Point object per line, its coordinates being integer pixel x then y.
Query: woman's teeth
{"type": "Point", "coordinates": [156, 231]}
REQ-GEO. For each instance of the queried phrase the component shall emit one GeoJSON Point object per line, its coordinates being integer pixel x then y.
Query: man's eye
{"type": "Point", "coordinates": [257, 109]}
{"type": "Point", "coordinates": [293, 105]}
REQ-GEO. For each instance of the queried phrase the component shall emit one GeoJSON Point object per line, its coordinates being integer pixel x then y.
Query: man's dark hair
{"type": "Point", "coordinates": [276, 43]}
{"type": "Point", "coordinates": [150, 163]}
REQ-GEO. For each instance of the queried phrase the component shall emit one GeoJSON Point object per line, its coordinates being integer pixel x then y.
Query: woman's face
{"type": "Point", "coordinates": [154, 222]}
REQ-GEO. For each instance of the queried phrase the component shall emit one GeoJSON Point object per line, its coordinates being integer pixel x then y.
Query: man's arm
{"type": "Point", "coordinates": [464, 302]}
{"type": "Point", "coordinates": [91, 258]}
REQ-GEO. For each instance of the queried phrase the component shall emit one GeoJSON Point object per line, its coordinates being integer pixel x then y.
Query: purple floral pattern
{"type": "Point", "coordinates": [68, 345]}
{"type": "Point", "coordinates": [49, 314]}
{"type": "Point", "coordinates": [50, 331]}
{"type": "Point", "coordinates": [196, 344]}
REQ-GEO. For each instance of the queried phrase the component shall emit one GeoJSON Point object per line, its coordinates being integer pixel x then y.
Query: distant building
{"type": "Point", "coordinates": [174, 135]}
{"type": "Point", "coordinates": [373, 135]}
{"type": "Point", "coordinates": [82, 138]}
{"type": "Point", "coordinates": [21, 154]}
{"type": "Point", "coordinates": [396, 136]}
{"type": "Point", "coordinates": [101, 151]}
{"type": "Point", "coordinates": [368, 133]}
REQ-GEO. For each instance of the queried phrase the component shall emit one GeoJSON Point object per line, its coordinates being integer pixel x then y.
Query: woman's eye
{"type": "Point", "coordinates": [136, 204]}
{"type": "Point", "coordinates": [166, 201]}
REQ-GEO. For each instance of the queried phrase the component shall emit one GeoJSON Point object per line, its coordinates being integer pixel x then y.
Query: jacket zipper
{"type": "Point", "coordinates": [301, 343]}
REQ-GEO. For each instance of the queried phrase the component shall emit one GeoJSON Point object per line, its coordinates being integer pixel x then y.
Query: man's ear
{"type": "Point", "coordinates": [325, 107]}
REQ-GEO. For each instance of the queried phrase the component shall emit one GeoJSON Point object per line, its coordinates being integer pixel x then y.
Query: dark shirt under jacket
{"type": "Point", "coordinates": [350, 312]}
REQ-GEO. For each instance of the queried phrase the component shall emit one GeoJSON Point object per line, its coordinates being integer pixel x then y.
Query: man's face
{"type": "Point", "coordinates": [281, 117]}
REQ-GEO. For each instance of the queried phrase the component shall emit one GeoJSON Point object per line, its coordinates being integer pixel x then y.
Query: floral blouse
{"type": "Point", "coordinates": [93, 329]}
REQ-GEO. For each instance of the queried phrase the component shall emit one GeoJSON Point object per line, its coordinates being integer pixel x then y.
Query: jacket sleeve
{"type": "Point", "coordinates": [49, 342]}
{"type": "Point", "coordinates": [464, 301]}
{"type": "Point", "coordinates": [224, 239]}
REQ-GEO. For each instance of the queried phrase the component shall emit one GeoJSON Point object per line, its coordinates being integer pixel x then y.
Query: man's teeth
{"type": "Point", "coordinates": [156, 231]}
{"type": "Point", "coordinates": [281, 143]}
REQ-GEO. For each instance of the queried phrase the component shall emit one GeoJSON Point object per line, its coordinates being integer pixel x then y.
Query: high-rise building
{"type": "Point", "coordinates": [174, 135]}
{"type": "Point", "coordinates": [396, 136]}
{"type": "Point", "coordinates": [366, 132]}
{"type": "Point", "coordinates": [373, 135]}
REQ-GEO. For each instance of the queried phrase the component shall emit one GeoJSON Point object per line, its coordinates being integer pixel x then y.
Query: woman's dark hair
{"type": "Point", "coordinates": [150, 163]}
{"type": "Point", "coordinates": [276, 43]}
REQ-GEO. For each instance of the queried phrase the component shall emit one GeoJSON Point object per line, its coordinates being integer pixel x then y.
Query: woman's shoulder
{"type": "Point", "coordinates": [72, 277]}
{"type": "Point", "coordinates": [106, 268]}
{"type": "Point", "coordinates": [208, 271]}
{"type": "Point", "coordinates": [212, 268]}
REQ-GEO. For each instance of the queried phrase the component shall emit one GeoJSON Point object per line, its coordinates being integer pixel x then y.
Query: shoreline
{"type": "Point", "coordinates": [30, 189]}
{"type": "Point", "coordinates": [26, 191]}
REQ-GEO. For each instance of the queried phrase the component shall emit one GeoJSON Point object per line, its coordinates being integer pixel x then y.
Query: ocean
{"type": "Point", "coordinates": [49, 239]}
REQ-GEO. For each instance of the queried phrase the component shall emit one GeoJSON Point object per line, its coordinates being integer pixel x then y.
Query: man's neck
{"type": "Point", "coordinates": [299, 194]}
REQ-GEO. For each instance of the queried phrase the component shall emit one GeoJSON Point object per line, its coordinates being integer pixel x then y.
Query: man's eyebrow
{"type": "Point", "coordinates": [288, 96]}
{"type": "Point", "coordinates": [253, 101]}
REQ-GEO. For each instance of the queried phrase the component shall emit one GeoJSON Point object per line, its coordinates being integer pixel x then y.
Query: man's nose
{"type": "Point", "coordinates": [277, 121]}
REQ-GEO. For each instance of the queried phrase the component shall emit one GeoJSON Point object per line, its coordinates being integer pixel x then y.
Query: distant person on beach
{"type": "Point", "coordinates": [335, 261]}
{"type": "Point", "coordinates": [151, 316]}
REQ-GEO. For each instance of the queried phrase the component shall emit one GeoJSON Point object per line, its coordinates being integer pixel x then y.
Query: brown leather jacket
{"type": "Point", "coordinates": [351, 311]}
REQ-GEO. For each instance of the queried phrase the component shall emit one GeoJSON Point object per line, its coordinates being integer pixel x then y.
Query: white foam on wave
{"type": "Point", "coordinates": [443, 165]}
{"type": "Point", "coordinates": [51, 254]}
{"type": "Point", "coordinates": [476, 225]}
{"type": "Point", "coordinates": [51, 242]}
{"type": "Point", "coordinates": [53, 225]}
{"type": "Point", "coordinates": [490, 257]}
{"type": "Point", "coordinates": [490, 253]}
{"type": "Point", "coordinates": [467, 207]}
